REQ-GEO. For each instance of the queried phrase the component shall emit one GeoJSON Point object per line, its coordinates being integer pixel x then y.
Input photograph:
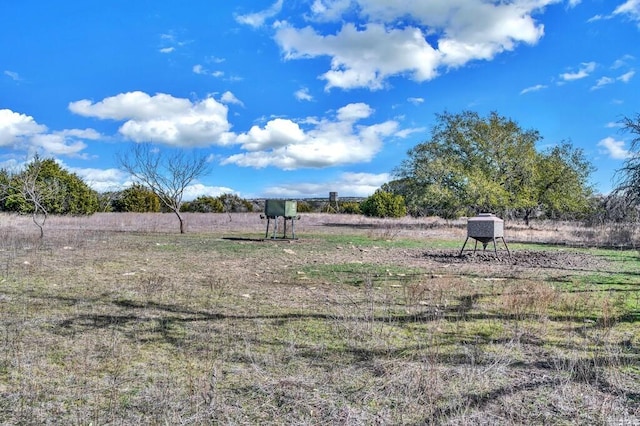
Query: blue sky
{"type": "Point", "coordinates": [300, 98]}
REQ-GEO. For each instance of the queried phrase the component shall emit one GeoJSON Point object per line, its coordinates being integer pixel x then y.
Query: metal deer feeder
{"type": "Point", "coordinates": [485, 228]}
{"type": "Point", "coordinates": [287, 209]}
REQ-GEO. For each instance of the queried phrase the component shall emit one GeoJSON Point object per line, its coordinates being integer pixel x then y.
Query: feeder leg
{"type": "Point", "coordinates": [475, 246]}
{"type": "Point", "coordinates": [266, 234]}
{"type": "Point", "coordinates": [465, 243]}
{"type": "Point", "coordinates": [495, 248]}
{"type": "Point", "coordinates": [506, 246]}
{"type": "Point", "coordinates": [275, 228]}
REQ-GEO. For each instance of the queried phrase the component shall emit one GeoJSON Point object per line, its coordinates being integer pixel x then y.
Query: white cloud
{"type": "Point", "coordinates": [201, 70]}
{"type": "Point", "coordinates": [382, 45]}
{"type": "Point", "coordinates": [415, 101]}
{"type": "Point", "coordinates": [167, 49]}
{"type": "Point", "coordinates": [347, 185]}
{"type": "Point", "coordinates": [586, 68]}
{"type": "Point", "coordinates": [162, 118]}
{"type": "Point", "coordinates": [229, 98]}
{"type": "Point", "coordinates": [23, 133]}
{"type": "Point", "coordinates": [303, 95]}
{"type": "Point", "coordinates": [621, 62]}
{"type": "Point", "coordinates": [258, 19]}
{"type": "Point", "coordinates": [535, 88]}
{"type": "Point", "coordinates": [613, 148]}
{"type": "Point", "coordinates": [57, 144]}
{"type": "Point", "coordinates": [196, 190]}
{"type": "Point", "coordinates": [103, 180]}
{"type": "Point", "coordinates": [14, 127]}
{"type": "Point", "coordinates": [12, 75]}
{"type": "Point", "coordinates": [626, 77]}
{"type": "Point", "coordinates": [603, 81]}
{"type": "Point", "coordinates": [630, 9]}
{"type": "Point", "coordinates": [326, 142]}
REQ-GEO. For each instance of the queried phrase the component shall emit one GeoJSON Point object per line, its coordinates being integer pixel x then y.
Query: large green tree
{"type": "Point", "coordinates": [473, 164]}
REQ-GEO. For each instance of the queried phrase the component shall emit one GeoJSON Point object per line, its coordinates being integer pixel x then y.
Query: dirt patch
{"type": "Point", "coordinates": [524, 258]}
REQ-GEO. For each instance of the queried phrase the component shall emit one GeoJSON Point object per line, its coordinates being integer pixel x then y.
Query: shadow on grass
{"type": "Point", "coordinates": [452, 350]}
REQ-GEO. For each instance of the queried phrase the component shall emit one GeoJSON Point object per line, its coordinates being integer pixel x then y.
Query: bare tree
{"type": "Point", "coordinates": [629, 175]}
{"type": "Point", "coordinates": [167, 173]}
{"type": "Point", "coordinates": [32, 191]}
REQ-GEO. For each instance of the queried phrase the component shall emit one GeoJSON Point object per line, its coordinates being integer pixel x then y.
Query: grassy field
{"type": "Point", "coordinates": [119, 319]}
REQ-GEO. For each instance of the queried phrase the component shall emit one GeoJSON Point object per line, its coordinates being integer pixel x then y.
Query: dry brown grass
{"type": "Point", "coordinates": [119, 319]}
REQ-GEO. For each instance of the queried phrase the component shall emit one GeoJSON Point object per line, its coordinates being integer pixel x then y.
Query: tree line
{"type": "Point", "coordinates": [470, 164]}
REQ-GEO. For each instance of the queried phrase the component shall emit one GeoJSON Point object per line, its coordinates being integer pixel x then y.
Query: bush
{"type": "Point", "coordinates": [204, 204]}
{"type": "Point", "coordinates": [350, 208]}
{"type": "Point", "coordinates": [234, 204]}
{"type": "Point", "coordinates": [136, 199]}
{"type": "Point", "coordinates": [384, 204]}
{"type": "Point", "coordinates": [304, 207]}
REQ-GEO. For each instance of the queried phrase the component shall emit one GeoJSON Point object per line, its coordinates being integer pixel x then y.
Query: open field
{"type": "Point", "coordinates": [119, 319]}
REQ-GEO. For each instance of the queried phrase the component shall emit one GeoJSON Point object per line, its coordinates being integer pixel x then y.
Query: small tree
{"type": "Point", "coordinates": [167, 174]}
{"type": "Point", "coordinates": [28, 191]}
{"type": "Point", "coordinates": [384, 204]}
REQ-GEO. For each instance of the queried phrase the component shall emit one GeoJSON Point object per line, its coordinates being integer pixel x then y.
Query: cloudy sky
{"type": "Point", "coordinates": [300, 98]}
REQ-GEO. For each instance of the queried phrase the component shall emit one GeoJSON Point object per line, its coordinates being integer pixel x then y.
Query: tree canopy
{"type": "Point", "coordinates": [45, 186]}
{"type": "Point", "coordinates": [473, 164]}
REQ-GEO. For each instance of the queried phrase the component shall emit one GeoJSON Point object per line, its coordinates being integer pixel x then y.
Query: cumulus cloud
{"type": "Point", "coordinates": [196, 190]}
{"type": "Point", "coordinates": [382, 44]}
{"type": "Point", "coordinates": [15, 127]}
{"type": "Point", "coordinates": [162, 118]}
{"type": "Point", "coordinates": [22, 132]}
{"type": "Point", "coordinates": [614, 148]}
{"type": "Point", "coordinates": [341, 139]}
{"type": "Point", "coordinates": [103, 180]}
{"type": "Point", "coordinates": [348, 185]}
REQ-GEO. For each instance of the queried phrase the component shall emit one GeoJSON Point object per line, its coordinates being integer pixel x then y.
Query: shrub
{"type": "Point", "coordinates": [304, 207]}
{"type": "Point", "coordinates": [136, 199]}
{"type": "Point", "coordinates": [204, 204]}
{"type": "Point", "coordinates": [350, 208]}
{"type": "Point", "coordinates": [384, 204]}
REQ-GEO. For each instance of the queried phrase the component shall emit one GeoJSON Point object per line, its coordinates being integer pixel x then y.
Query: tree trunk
{"type": "Point", "coordinates": [181, 219]}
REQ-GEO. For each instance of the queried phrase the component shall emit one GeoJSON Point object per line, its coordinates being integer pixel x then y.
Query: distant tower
{"type": "Point", "coordinates": [333, 203]}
